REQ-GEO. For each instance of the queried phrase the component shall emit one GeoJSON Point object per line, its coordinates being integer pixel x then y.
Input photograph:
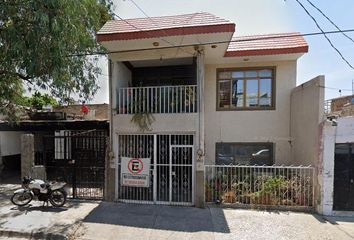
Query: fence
{"type": "Point", "coordinates": [260, 185]}
{"type": "Point", "coordinates": [161, 99]}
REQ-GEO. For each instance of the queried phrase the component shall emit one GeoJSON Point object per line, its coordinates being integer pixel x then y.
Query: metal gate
{"type": "Point", "coordinates": [78, 158]}
{"type": "Point", "coordinates": [343, 197]}
{"type": "Point", "coordinates": [171, 168]}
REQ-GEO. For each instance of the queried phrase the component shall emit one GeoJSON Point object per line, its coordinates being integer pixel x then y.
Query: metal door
{"type": "Point", "coordinates": [78, 158]}
{"type": "Point", "coordinates": [181, 174]}
{"type": "Point", "coordinates": [171, 168]}
{"type": "Point", "coordinates": [344, 177]}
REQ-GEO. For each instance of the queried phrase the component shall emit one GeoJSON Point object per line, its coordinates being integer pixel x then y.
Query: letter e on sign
{"type": "Point", "coordinates": [135, 166]}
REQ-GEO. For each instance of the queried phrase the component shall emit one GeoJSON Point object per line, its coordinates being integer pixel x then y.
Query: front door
{"type": "Point", "coordinates": [344, 177]}
{"type": "Point", "coordinates": [171, 168]}
{"type": "Point", "coordinates": [181, 174]}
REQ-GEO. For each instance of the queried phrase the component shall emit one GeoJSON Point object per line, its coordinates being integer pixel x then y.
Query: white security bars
{"type": "Point", "coordinates": [259, 185]}
{"type": "Point", "coordinates": [161, 99]}
{"type": "Point", "coordinates": [171, 168]}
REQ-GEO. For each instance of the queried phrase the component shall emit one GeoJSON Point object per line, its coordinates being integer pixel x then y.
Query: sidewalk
{"type": "Point", "coordinates": [36, 221]}
{"type": "Point", "coordinates": [105, 220]}
{"type": "Point", "coordinates": [135, 222]}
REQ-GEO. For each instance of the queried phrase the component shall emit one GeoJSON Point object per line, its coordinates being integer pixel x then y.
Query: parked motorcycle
{"type": "Point", "coordinates": [40, 190]}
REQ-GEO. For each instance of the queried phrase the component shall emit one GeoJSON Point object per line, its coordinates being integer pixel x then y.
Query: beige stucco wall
{"type": "Point", "coordinates": [307, 114]}
{"type": "Point", "coordinates": [251, 126]}
{"type": "Point", "coordinates": [178, 122]}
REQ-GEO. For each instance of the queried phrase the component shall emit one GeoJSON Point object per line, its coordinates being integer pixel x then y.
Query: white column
{"type": "Point", "coordinates": [326, 171]}
{"type": "Point", "coordinates": [200, 132]}
{"type": "Point", "coordinates": [199, 173]}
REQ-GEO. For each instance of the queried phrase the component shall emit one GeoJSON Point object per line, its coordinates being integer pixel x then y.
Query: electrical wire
{"type": "Point", "coordinates": [156, 25]}
{"type": "Point", "coordinates": [324, 34]}
{"type": "Point", "coordinates": [324, 15]}
{"type": "Point", "coordinates": [164, 40]}
{"type": "Point", "coordinates": [220, 42]}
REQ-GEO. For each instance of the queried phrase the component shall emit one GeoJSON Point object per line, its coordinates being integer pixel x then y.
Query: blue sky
{"type": "Point", "coordinates": [269, 16]}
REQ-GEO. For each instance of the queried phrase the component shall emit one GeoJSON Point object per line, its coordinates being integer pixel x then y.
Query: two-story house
{"type": "Point", "coordinates": [186, 92]}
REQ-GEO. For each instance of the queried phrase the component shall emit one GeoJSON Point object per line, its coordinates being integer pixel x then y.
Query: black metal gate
{"type": "Point", "coordinates": [78, 158]}
{"type": "Point", "coordinates": [344, 177]}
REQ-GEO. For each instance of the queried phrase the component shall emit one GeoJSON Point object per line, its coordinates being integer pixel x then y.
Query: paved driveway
{"type": "Point", "coordinates": [129, 221]}
{"type": "Point", "coordinates": [37, 221]}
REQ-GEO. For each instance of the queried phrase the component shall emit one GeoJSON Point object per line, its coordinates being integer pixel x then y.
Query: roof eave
{"type": "Point", "coordinates": [263, 52]}
{"type": "Point", "coordinates": [217, 28]}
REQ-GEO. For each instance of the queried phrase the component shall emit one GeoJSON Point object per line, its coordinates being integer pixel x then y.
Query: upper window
{"type": "Point", "coordinates": [245, 89]}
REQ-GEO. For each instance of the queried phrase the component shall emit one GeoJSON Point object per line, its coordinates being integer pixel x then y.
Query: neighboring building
{"type": "Point", "coordinates": [336, 168]}
{"type": "Point", "coordinates": [50, 131]}
{"type": "Point", "coordinates": [215, 98]}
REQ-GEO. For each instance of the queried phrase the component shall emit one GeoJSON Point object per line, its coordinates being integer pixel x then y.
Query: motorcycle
{"type": "Point", "coordinates": [40, 190]}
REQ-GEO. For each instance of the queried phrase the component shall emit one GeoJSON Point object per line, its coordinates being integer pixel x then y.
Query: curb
{"type": "Point", "coordinates": [32, 235]}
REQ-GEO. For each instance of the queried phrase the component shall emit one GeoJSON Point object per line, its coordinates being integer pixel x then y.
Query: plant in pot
{"type": "Point", "coordinates": [142, 118]}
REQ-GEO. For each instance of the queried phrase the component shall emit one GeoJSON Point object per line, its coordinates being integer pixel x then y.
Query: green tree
{"type": "Point", "coordinates": [38, 101]}
{"type": "Point", "coordinates": [43, 45]}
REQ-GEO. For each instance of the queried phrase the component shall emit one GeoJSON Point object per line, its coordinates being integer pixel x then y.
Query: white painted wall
{"type": "Point", "coordinates": [121, 77]}
{"type": "Point", "coordinates": [326, 169]}
{"type": "Point", "coordinates": [251, 126]}
{"type": "Point", "coordinates": [342, 133]}
{"type": "Point", "coordinates": [10, 143]}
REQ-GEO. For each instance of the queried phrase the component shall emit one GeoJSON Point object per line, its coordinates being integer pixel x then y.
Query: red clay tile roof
{"type": "Point", "coordinates": [138, 28]}
{"type": "Point", "coordinates": [270, 44]}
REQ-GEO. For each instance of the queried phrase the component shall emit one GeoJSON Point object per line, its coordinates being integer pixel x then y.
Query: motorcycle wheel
{"type": "Point", "coordinates": [57, 198]}
{"type": "Point", "coordinates": [21, 199]}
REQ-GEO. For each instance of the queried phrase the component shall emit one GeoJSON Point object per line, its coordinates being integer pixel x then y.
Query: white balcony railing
{"type": "Point", "coordinates": [161, 99]}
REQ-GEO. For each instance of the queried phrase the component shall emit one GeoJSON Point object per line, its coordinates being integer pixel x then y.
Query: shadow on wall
{"type": "Point", "coordinates": [184, 219]}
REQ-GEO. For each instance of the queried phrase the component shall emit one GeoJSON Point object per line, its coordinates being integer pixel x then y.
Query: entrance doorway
{"type": "Point", "coordinates": [171, 168]}
{"type": "Point", "coordinates": [344, 177]}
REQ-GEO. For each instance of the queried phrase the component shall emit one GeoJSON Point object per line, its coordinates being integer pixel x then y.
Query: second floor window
{"type": "Point", "coordinates": [242, 89]}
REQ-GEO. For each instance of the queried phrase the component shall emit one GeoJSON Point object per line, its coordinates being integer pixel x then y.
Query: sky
{"type": "Point", "coordinates": [268, 16]}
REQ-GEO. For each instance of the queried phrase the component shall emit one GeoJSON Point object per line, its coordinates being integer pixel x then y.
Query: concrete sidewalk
{"type": "Point", "coordinates": [104, 220]}
{"type": "Point", "coordinates": [130, 221]}
{"type": "Point", "coordinates": [36, 221]}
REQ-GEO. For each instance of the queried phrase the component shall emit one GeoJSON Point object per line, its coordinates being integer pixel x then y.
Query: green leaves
{"type": "Point", "coordinates": [39, 41]}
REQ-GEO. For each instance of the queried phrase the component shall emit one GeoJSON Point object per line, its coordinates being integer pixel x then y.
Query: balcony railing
{"type": "Point", "coordinates": [161, 99]}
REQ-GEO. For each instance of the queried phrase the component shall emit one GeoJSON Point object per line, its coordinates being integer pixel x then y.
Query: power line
{"type": "Point", "coordinates": [146, 15]}
{"type": "Point", "coordinates": [333, 88]}
{"type": "Point", "coordinates": [324, 15]}
{"type": "Point", "coordinates": [324, 34]}
{"type": "Point", "coordinates": [220, 42]}
{"type": "Point", "coordinates": [132, 25]}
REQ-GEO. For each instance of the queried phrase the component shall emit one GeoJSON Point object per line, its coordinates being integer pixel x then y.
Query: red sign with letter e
{"type": "Point", "coordinates": [135, 172]}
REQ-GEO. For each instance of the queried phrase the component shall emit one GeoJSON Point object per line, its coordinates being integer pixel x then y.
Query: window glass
{"type": "Point", "coordinates": [237, 93]}
{"type": "Point", "coordinates": [251, 74]}
{"type": "Point", "coordinates": [224, 75]}
{"type": "Point", "coordinates": [245, 89]}
{"type": "Point", "coordinates": [224, 93]}
{"type": "Point", "coordinates": [251, 93]}
{"type": "Point", "coordinates": [244, 153]}
{"type": "Point", "coordinates": [265, 92]}
{"type": "Point", "coordinates": [265, 73]}
{"type": "Point", "coordinates": [238, 74]}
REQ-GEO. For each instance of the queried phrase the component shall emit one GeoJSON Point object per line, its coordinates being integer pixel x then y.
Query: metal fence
{"type": "Point", "coordinates": [160, 99]}
{"type": "Point", "coordinates": [287, 186]}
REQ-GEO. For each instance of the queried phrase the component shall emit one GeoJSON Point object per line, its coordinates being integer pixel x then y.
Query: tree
{"type": "Point", "coordinates": [43, 45]}
{"type": "Point", "coordinates": [38, 101]}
